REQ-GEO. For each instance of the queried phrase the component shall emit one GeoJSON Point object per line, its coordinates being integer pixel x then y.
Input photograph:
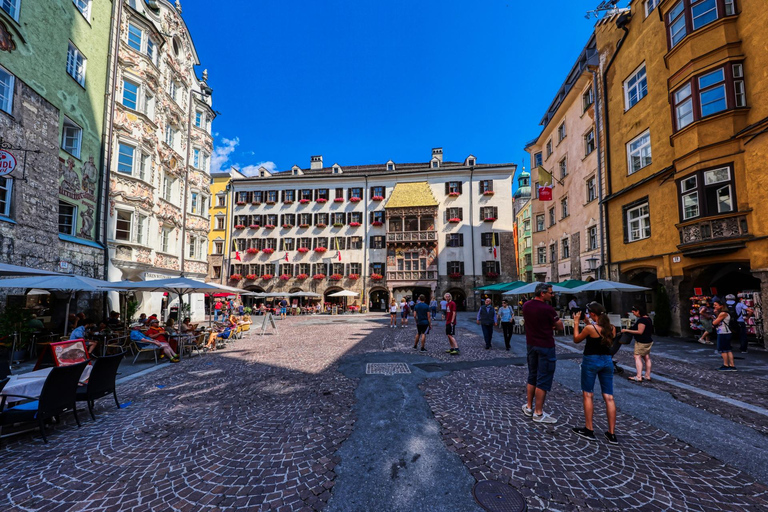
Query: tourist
{"type": "Point", "coordinates": [404, 311]}
{"type": "Point", "coordinates": [723, 322]}
{"type": "Point", "coordinates": [223, 334]}
{"type": "Point", "coordinates": [486, 318]}
{"type": "Point", "coordinates": [541, 320]}
{"type": "Point", "coordinates": [596, 363]}
{"type": "Point", "coordinates": [443, 305]}
{"type": "Point", "coordinates": [642, 331]}
{"type": "Point", "coordinates": [79, 332]}
{"type": "Point", "coordinates": [705, 319]}
{"type": "Point", "coordinates": [217, 310]}
{"type": "Point", "coordinates": [35, 323]}
{"type": "Point", "coordinates": [507, 321]}
{"type": "Point", "coordinates": [114, 320]}
{"type": "Point", "coordinates": [393, 313]}
{"type": "Point", "coordinates": [283, 308]}
{"type": "Point", "coordinates": [143, 341]}
{"type": "Point", "coordinates": [741, 311]}
{"type": "Point", "coordinates": [423, 318]}
{"type": "Point", "coordinates": [433, 307]}
{"type": "Point", "coordinates": [450, 324]}
{"type": "Point", "coordinates": [143, 319]}
{"type": "Point", "coordinates": [573, 306]}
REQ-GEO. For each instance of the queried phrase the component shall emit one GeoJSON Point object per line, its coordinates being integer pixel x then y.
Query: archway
{"type": "Point", "coordinates": [379, 299]}
{"type": "Point", "coordinates": [459, 297]}
{"type": "Point", "coordinates": [332, 300]}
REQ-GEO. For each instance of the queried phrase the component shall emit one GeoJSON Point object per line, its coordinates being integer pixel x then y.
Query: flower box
{"type": "Point", "coordinates": [318, 276]}
{"type": "Point", "coordinates": [321, 225]}
{"type": "Point", "coordinates": [303, 249]}
{"type": "Point", "coordinates": [338, 224]}
{"type": "Point", "coordinates": [288, 202]}
{"type": "Point", "coordinates": [268, 250]}
{"type": "Point", "coordinates": [321, 249]}
{"type": "Point", "coordinates": [254, 226]}
{"type": "Point", "coordinates": [354, 224]}
{"type": "Point", "coordinates": [488, 193]}
{"type": "Point", "coordinates": [335, 277]}
{"type": "Point", "coordinates": [302, 276]}
{"type": "Point", "coordinates": [269, 226]}
{"type": "Point", "coordinates": [377, 223]}
{"type": "Point", "coordinates": [377, 198]}
{"type": "Point", "coordinates": [455, 275]}
{"type": "Point", "coordinates": [322, 200]}
{"type": "Point", "coordinates": [266, 277]}
{"type": "Point", "coordinates": [454, 220]}
{"type": "Point", "coordinates": [304, 226]}
{"type": "Point", "coordinates": [454, 194]}
{"type": "Point", "coordinates": [303, 201]}
{"type": "Point", "coordinates": [285, 277]}
{"type": "Point", "coordinates": [251, 277]}
{"type": "Point", "coordinates": [257, 203]}
{"type": "Point", "coordinates": [489, 219]}
{"type": "Point", "coordinates": [355, 199]}
{"type": "Point", "coordinates": [353, 276]}
{"type": "Point", "coordinates": [287, 226]}
{"type": "Point", "coordinates": [338, 200]}
{"type": "Point", "coordinates": [235, 277]}
{"type": "Point", "coordinates": [239, 226]}
{"type": "Point", "coordinates": [252, 250]}
{"type": "Point", "coordinates": [241, 203]}
{"type": "Point", "coordinates": [491, 275]}
{"type": "Point", "coordinates": [377, 277]}
{"type": "Point", "coordinates": [270, 202]}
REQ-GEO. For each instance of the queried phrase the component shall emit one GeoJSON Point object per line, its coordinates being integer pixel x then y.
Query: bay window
{"type": "Point", "coordinates": [706, 193]}
{"type": "Point", "coordinates": [706, 94]}
{"type": "Point", "coordinates": [686, 16]}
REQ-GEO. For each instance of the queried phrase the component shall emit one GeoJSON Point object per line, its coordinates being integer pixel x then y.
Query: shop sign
{"type": "Point", "coordinates": [697, 291]}
{"type": "Point", "coordinates": [7, 162]}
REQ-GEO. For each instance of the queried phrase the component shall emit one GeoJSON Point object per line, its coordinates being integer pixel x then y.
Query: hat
{"type": "Point", "coordinates": [136, 324]}
{"type": "Point", "coordinates": [730, 296]}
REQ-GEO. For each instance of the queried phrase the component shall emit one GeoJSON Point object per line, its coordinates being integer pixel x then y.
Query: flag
{"type": "Point", "coordinates": [545, 177]}
{"type": "Point", "coordinates": [338, 252]}
{"type": "Point", "coordinates": [493, 244]}
{"type": "Point", "coordinates": [237, 256]}
{"type": "Point", "coordinates": [286, 256]}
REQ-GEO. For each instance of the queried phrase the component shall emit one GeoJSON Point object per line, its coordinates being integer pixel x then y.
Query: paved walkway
{"type": "Point", "coordinates": [294, 422]}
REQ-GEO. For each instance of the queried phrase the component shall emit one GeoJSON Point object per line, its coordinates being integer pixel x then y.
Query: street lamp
{"type": "Point", "coordinates": [592, 262]}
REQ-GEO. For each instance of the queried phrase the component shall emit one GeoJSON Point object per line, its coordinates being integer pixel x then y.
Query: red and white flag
{"type": "Point", "coordinates": [237, 256]}
{"type": "Point", "coordinates": [286, 256]}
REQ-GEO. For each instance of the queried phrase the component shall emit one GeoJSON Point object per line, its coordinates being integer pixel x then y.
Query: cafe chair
{"type": "Point", "coordinates": [4, 382]}
{"type": "Point", "coordinates": [57, 397]}
{"type": "Point", "coordinates": [5, 365]}
{"type": "Point", "coordinates": [136, 349]}
{"type": "Point", "coordinates": [101, 381]}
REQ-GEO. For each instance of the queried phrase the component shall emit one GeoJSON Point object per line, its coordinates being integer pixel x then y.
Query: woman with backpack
{"type": "Point", "coordinates": [405, 310]}
{"type": "Point", "coordinates": [642, 331]}
{"type": "Point", "coordinates": [723, 322]}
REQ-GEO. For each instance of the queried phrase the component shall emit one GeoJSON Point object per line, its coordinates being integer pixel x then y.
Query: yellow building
{"type": "Point", "coordinates": [686, 148]}
{"type": "Point", "coordinates": [220, 215]}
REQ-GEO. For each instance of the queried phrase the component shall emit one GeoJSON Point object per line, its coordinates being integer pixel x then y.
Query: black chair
{"type": "Point", "coordinates": [101, 382]}
{"type": "Point", "coordinates": [57, 396]}
{"type": "Point", "coordinates": [5, 365]}
{"type": "Point", "coordinates": [3, 383]}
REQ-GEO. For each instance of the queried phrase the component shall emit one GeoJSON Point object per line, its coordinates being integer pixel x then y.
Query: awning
{"type": "Point", "coordinates": [501, 287]}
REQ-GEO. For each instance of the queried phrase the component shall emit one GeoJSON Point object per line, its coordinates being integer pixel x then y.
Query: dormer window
{"type": "Point", "coordinates": [435, 164]}
{"type": "Point", "coordinates": [390, 165]}
{"type": "Point", "coordinates": [336, 169]}
{"type": "Point", "coordinates": [470, 161]}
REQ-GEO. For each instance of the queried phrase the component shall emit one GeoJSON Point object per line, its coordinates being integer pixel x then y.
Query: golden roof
{"type": "Point", "coordinates": [411, 194]}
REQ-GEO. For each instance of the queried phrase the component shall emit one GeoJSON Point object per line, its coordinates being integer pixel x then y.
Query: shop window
{"type": "Point", "coordinates": [707, 193]}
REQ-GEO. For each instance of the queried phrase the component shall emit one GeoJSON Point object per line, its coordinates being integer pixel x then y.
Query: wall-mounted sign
{"type": "Point", "coordinates": [7, 162]}
{"type": "Point", "coordinates": [676, 259]}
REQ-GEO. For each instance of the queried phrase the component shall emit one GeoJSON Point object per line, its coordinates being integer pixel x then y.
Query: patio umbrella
{"type": "Point", "coordinates": [572, 283]}
{"type": "Point", "coordinates": [15, 270]}
{"type": "Point", "coordinates": [305, 294]}
{"type": "Point", "coordinates": [344, 293]}
{"type": "Point", "coordinates": [531, 288]}
{"type": "Point", "coordinates": [603, 285]}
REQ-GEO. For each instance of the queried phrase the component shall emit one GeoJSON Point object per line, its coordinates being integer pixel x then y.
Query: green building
{"type": "Point", "coordinates": [522, 205]}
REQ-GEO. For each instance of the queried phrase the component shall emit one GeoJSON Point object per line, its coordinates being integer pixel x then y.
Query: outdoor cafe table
{"type": "Point", "coordinates": [31, 384]}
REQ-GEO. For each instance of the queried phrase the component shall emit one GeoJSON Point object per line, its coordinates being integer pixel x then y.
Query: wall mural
{"type": "Point", "coordinates": [80, 190]}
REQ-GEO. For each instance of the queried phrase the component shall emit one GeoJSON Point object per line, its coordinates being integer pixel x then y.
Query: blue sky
{"type": "Point", "coordinates": [363, 82]}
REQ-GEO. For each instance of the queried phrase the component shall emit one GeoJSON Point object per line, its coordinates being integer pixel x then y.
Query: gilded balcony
{"type": "Point", "coordinates": [412, 236]}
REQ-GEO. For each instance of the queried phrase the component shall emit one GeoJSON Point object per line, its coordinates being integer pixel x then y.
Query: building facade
{"type": "Point", "coordinates": [221, 217]}
{"type": "Point", "coordinates": [160, 148]}
{"type": "Point", "coordinates": [687, 149]}
{"type": "Point", "coordinates": [384, 231]}
{"type": "Point", "coordinates": [566, 234]}
{"type": "Point", "coordinates": [523, 241]}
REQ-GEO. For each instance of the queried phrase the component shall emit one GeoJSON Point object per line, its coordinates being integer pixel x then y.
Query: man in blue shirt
{"type": "Point", "coordinates": [143, 341]}
{"type": "Point", "coordinates": [423, 318]}
{"type": "Point", "coordinates": [486, 317]}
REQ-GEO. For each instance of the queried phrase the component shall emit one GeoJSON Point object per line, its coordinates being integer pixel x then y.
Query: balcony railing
{"type": "Point", "coordinates": [411, 275]}
{"type": "Point", "coordinates": [706, 231]}
{"type": "Point", "coordinates": [412, 236]}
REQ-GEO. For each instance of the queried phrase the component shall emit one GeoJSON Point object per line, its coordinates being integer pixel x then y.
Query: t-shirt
{"type": "Point", "coordinates": [421, 309]}
{"type": "Point", "coordinates": [393, 308]}
{"type": "Point", "coordinates": [78, 333]}
{"type": "Point", "coordinates": [433, 304]}
{"type": "Point", "coordinates": [450, 316]}
{"type": "Point", "coordinates": [283, 303]}
{"type": "Point", "coordinates": [505, 314]}
{"type": "Point", "coordinates": [540, 319]}
{"type": "Point", "coordinates": [740, 310]}
{"type": "Point", "coordinates": [217, 306]}
{"type": "Point", "coordinates": [646, 336]}
{"type": "Point", "coordinates": [443, 304]}
{"type": "Point", "coordinates": [595, 347]}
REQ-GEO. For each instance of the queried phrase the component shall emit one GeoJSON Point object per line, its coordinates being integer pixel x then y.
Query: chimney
{"type": "Point", "coordinates": [437, 153]}
{"type": "Point", "coordinates": [316, 162]}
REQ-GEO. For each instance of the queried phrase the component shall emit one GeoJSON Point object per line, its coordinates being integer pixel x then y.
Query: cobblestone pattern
{"type": "Point", "coordinates": [254, 427]}
{"type": "Point", "coordinates": [480, 418]}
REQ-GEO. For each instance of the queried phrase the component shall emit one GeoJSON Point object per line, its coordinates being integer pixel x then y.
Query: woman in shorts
{"type": "Point", "coordinates": [393, 313]}
{"type": "Point", "coordinates": [722, 323]}
{"type": "Point", "coordinates": [642, 331]}
{"type": "Point", "coordinates": [596, 363]}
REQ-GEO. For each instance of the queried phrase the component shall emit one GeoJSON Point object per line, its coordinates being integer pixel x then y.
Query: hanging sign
{"type": "Point", "coordinates": [545, 193]}
{"type": "Point", "coordinates": [7, 162]}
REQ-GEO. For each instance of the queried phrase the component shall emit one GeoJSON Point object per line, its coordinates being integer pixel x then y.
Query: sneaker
{"type": "Point", "coordinates": [449, 351]}
{"type": "Point", "coordinates": [723, 368]}
{"type": "Point", "coordinates": [744, 352]}
{"type": "Point", "coordinates": [528, 412]}
{"type": "Point", "coordinates": [544, 418]}
{"type": "Point", "coordinates": [585, 433]}
{"type": "Point", "coordinates": [423, 349]}
{"type": "Point", "coordinates": [731, 369]}
{"type": "Point", "coordinates": [454, 352]}
{"type": "Point", "coordinates": [415, 347]}
{"type": "Point", "coordinates": [174, 360]}
{"type": "Point", "coordinates": [611, 438]}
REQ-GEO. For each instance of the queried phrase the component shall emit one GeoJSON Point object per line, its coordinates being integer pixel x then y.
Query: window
{"type": "Point", "coordinates": [305, 243]}
{"type": "Point", "coordinates": [84, 6]}
{"type": "Point", "coordinates": [217, 271]}
{"type": "Point", "coordinates": [198, 119]}
{"type": "Point", "coordinates": [289, 196]}
{"type": "Point", "coordinates": [591, 190]}
{"type": "Point", "coordinates": [589, 142]}
{"type": "Point", "coordinates": [356, 193]}
{"type": "Point", "coordinates": [489, 213]}
{"type": "Point", "coordinates": [321, 242]}
{"type": "Point", "coordinates": [390, 167]}
{"type": "Point", "coordinates": [165, 240]}
{"type": "Point", "coordinates": [738, 85]}
{"type": "Point", "coordinates": [76, 64]}
{"type": "Point", "coordinates": [549, 148]}
{"type": "Point", "coordinates": [338, 218]}
{"type": "Point", "coordinates": [564, 207]}
{"type": "Point", "coordinates": [541, 255]}
{"type": "Point", "coordinates": [453, 187]}
{"type": "Point", "coordinates": [321, 219]}
{"type": "Point", "coordinates": [540, 222]}
{"type": "Point", "coordinates": [6, 90]}
{"type": "Point", "coordinates": [219, 222]}
{"type": "Point", "coordinates": [125, 158]}
{"type": "Point", "coordinates": [587, 99]}
{"type": "Point", "coordinates": [173, 90]}
{"type": "Point", "coordinates": [356, 217]}
{"type": "Point", "coordinates": [123, 225]}
{"type": "Point", "coordinates": [170, 135]}
{"type": "Point", "coordinates": [489, 239]}
{"type": "Point", "coordinates": [454, 240]}
{"type": "Point", "coordinates": [435, 164]}
{"type": "Point", "coordinates": [130, 94]}
{"type": "Point", "coordinates": [67, 218]}
{"type": "Point", "coordinates": [287, 244]}
{"type": "Point", "coordinates": [565, 248]}
{"type": "Point", "coordinates": [5, 196]}
{"type": "Point", "coordinates": [377, 268]}
{"type": "Point", "coordinates": [710, 93]}
{"type": "Point", "coordinates": [454, 213]}
{"type": "Point", "coordinates": [135, 37]}
{"type": "Point", "coordinates": [271, 219]}
{"type": "Point", "coordinates": [305, 194]}
{"type": "Point", "coordinates": [552, 216]}
{"type": "Point", "coordinates": [193, 202]}
{"type": "Point", "coordinates": [11, 7]}
{"type": "Point", "coordinates": [221, 200]}
{"type": "Point", "coordinates": [676, 23]}
{"type": "Point", "coordinates": [592, 238]}
{"type": "Point", "coordinates": [706, 193]}
{"type": "Point", "coordinates": [553, 253]}
{"type": "Point", "coordinates": [322, 193]}
{"type": "Point", "coordinates": [377, 242]}
{"type": "Point", "coordinates": [690, 15]}
{"type": "Point", "coordinates": [639, 152]}
{"type": "Point", "coordinates": [683, 106]}
{"type": "Point", "coordinates": [196, 158]}
{"type": "Point", "coordinates": [150, 51]}
{"type": "Point", "coordinates": [167, 189]}
{"type": "Point", "coordinates": [561, 134]}
{"type": "Point", "coordinates": [637, 222]}
{"type": "Point", "coordinates": [635, 87]}
{"type": "Point", "coordinates": [491, 267]}
{"type": "Point", "coordinates": [526, 225]}
{"type": "Point", "coordinates": [377, 216]}
{"type": "Point", "coordinates": [537, 160]}
{"type": "Point", "coordinates": [355, 242]}
{"type": "Point", "coordinates": [141, 229]}
{"type": "Point", "coordinates": [703, 12]}
{"type": "Point", "coordinates": [455, 267]}
{"type": "Point", "coordinates": [650, 5]}
{"type": "Point", "coordinates": [486, 186]}
{"type": "Point", "coordinates": [71, 138]}
{"type": "Point", "coordinates": [563, 165]}
{"type": "Point", "coordinates": [272, 196]}
{"type": "Point", "coordinates": [192, 247]}
{"type": "Point", "coordinates": [289, 219]}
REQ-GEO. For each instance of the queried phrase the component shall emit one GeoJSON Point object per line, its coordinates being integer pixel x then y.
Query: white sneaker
{"type": "Point", "coordinates": [528, 412]}
{"type": "Point", "coordinates": [544, 418]}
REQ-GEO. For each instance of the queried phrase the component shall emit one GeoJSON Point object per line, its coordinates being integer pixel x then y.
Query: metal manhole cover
{"type": "Point", "coordinates": [498, 497]}
{"type": "Point", "coordinates": [386, 368]}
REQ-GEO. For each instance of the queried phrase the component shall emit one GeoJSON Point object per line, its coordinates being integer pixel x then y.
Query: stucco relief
{"type": "Point", "coordinates": [166, 261]}
{"type": "Point", "coordinates": [196, 267]}
{"type": "Point", "coordinates": [143, 255]}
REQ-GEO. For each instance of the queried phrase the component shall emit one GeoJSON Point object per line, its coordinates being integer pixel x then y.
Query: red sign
{"type": "Point", "coordinates": [545, 193]}
{"type": "Point", "coordinates": [7, 162]}
{"type": "Point", "coordinates": [697, 291]}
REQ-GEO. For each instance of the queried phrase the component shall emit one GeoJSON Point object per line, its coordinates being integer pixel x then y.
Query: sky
{"type": "Point", "coordinates": [363, 82]}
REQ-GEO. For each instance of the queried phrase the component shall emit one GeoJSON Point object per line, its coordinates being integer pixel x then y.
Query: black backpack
{"type": "Point", "coordinates": [733, 323]}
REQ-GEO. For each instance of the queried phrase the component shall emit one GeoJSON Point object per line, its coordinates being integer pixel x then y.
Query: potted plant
{"type": "Point", "coordinates": [269, 226]}
{"type": "Point", "coordinates": [335, 277]}
{"type": "Point", "coordinates": [287, 201]}
{"type": "Point", "coordinates": [377, 198]}
{"type": "Point", "coordinates": [322, 200]}
{"type": "Point", "coordinates": [251, 277]}
{"type": "Point", "coordinates": [321, 249]}
{"type": "Point", "coordinates": [252, 250]}
{"type": "Point", "coordinates": [377, 223]}
{"type": "Point", "coordinates": [354, 224]}
{"type": "Point", "coordinates": [320, 225]}
{"type": "Point", "coordinates": [489, 219]}
{"type": "Point", "coordinates": [285, 277]}
{"type": "Point", "coordinates": [304, 226]}
{"type": "Point", "coordinates": [454, 275]}
{"type": "Point", "coordinates": [318, 277]}
{"type": "Point", "coordinates": [353, 277]}
{"type": "Point", "coordinates": [241, 203]}
{"type": "Point", "coordinates": [303, 249]}
{"type": "Point", "coordinates": [268, 250]}
{"type": "Point", "coordinates": [491, 275]}
{"type": "Point", "coordinates": [454, 220]}
{"type": "Point", "coordinates": [338, 224]}
{"type": "Point", "coordinates": [267, 277]}
{"type": "Point", "coordinates": [15, 321]}
{"type": "Point", "coordinates": [255, 202]}
{"type": "Point", "coordinates": [239, 226]}
{"type": "Point", "coordinates": [355, 199]}
{"type": "Point", "coordinates": [303, 201]}
{"type": "Point", "coordinates": [270, 202]}
{"type": "Point", "coordinates": [454, 194]}
{"type": "Point", "coordinates": [254, 226]}
{"type": "Point", "coordinates": [287, 226]}
{"type": "Point", "coordinates": [302, 277]}
{"type": "Point", "coordinates": [235, 277]}
{"type": "Point", "coordinates": [377, 277]}
{"type": "Point", "coordinates": [488, 193]}
{"type": "Point", "coordinates": [338, 200]}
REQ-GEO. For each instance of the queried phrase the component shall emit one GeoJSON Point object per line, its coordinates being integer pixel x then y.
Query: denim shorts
{"type": "Point", "coordinates": [541, 367]}
{"type": "Point", "coordinates": [724, 342]}
{"type": "Point", "coordinates": [600, 367]}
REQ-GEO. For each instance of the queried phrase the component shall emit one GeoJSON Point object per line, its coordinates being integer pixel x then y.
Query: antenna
{"type": "Point", "coordinates": [605, 5]}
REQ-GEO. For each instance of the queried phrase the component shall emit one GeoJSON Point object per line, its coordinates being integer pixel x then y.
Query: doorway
{"type": "Point", "coordinates": [379, 300]}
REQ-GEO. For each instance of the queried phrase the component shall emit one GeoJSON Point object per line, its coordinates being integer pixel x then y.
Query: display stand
{"type": "Point", "coordinates": [697, 301]}
{"type": "Point", "coordinates": [62, 353]}
{"type": "Point", "coordinates": [267, 320]}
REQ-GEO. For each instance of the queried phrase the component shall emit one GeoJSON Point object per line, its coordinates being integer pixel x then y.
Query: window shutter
{"type": "Point", "coordinates": [346, 272]}
{"type": "Point", "coordinates": [384, 192]}
{"type": "Point", "coordinates": [497, 266]}
{"type": "Point", "coordinates": [370, 218]}
{"type": "Point", "coordinates": [490, 185]}
{"type": "Point", "coordinates": [461, 213]}
{"type": "Point", "coordinates": [447, 187]}
{"type": "Point", "coordinates": [461, 267]}
{"type": "Point", "coordinates": [496, 212]}
{"type": "Point", "coordinates": [371, 192]}
{"type": "Point", "coordinates": [460, 187]}
{"type": "Point", "coordinates": [461, 239]}
{"type": "Point", "coordinates": [626, 226]}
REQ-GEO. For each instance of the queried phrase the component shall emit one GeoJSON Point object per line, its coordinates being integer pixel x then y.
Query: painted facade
{"type": "Point", "coordinates": [220, 216]}
{"type": "Point", "coordinates": [160, 148]}
{"type": "Point", "coordinates": [683, 203]}
{"type": "Point", "coordinates": [523, 241]}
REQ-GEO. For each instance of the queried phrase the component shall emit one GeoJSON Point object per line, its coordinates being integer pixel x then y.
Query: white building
{"type": "Point", "coordinates": [160, 147]}
{"type": "Point", "coordinates": [381, 230]}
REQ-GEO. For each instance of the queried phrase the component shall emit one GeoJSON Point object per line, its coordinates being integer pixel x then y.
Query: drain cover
{"type": "Point", "coordinates": [498, 497]}
{"type": "Point", "coordinates": [386, 368]}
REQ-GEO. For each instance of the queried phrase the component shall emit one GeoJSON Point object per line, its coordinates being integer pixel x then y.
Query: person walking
{"type": "Point", "coordinates": [433, 307]}
{"type": "Point", "coordinates": [443, 305]}
{"type": "Point", "coordinates": [404, 312]}
{"type": "Point", "coordinates": [724, 324]}
{"type": "Point", "coordinates": [705, 318]}
{"type": "Point", "coordinates": [642, 331]}
{"type": "Point", "coordinates": [217, 310]}
{"type": "Point", "coordinates": [450, 324]}
{"type": "Point", "coordinates": [596, 363]}
{"type": "Point", "coordinates": [486, 318]}
{"type": "Point", "coordinates": [393, 314]}
{"type": "Point", "coordinates": [507, 321]}
{"type": "Point", "coordinates": [541, 320]}
{"type": "Point", "coordinates": [739, 310]}
{"type": "Point", "coordinates": [422, 315]}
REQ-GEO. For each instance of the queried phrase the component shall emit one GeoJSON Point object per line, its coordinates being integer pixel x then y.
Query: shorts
{"type": "Point", "coordinates": [541, 367]}
{"type": "Point", "coordinates": [422, 328]}
{"type": "Point", "coordinates": [600, 367]}
{"type": "Point", "coordinates": [404, 314]}
{"type": "Point", "coordinates": [724, 342]}
{"type": "Point", "coordinates": [643, 349]}
{"type": "Point", "coordinates": [450, 329]}
{"type": "Point", "coordinates": [433, 311]}
{"type": "Point", "coordinates": [283, 311]}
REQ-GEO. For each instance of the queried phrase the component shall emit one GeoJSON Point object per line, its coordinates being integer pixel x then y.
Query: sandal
{"type": "Point", "coordinates": [634, 379]}
{"type": "Point", "coordinates": [648, 379]}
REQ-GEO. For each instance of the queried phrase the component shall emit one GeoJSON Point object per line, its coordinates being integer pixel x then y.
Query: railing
{"type": "Point", "coordinates": [411, 275]}
{"type": "Point", "coordinates": [412, 236]}
{"type": "Point", "coordinates": [714, 230]}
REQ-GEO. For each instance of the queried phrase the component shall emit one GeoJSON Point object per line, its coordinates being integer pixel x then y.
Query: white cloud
{"type": "Point", "coordinates": [253, 170]}
{"type": "Point", "coordinates": [221, 154]}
